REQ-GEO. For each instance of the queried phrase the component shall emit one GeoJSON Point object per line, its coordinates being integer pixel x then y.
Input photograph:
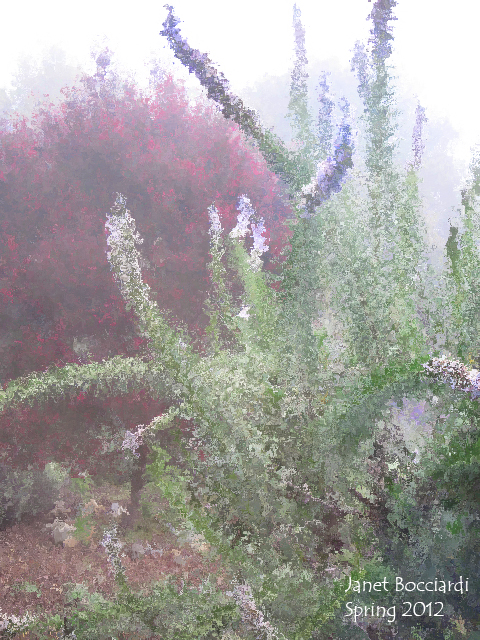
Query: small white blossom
{"type": "Point", "coordinates": [15, 623]}
{"type": "Point", "coordinates": [310, 188]}
{"type": "Point", "coordinates": [244, 313]}
{"type": "Point", "coordinates": [117, 510]}
{"type": "Point", "coordinates": [255, 262]}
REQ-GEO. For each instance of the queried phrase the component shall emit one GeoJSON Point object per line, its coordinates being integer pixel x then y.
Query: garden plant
{"type": "Point", "coordinates": [316, 428]}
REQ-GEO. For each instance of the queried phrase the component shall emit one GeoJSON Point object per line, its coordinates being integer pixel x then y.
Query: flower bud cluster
{"type": "Point", "coordinates": [133, 440]}
{"type": "Point", "coordinates": [418, 144]}
{"type": "Point", "coordinates": [15, 624]}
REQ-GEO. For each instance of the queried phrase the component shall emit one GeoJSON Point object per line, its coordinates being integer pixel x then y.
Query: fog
{"type": "Point", "coordinates": [433, 58]}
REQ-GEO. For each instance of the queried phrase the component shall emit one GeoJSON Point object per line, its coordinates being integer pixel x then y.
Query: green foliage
{"type": "Point", "coordinates": [116, 376]}
{"type": "Point", "coordinates": [463, 274]}
{"type": "Point", "coordinates": [56, 472]}
{"type": "Point", "coordinates": [82, 485]}
{"type": "Point", "coordinates": [168, 610]}
{"type": "Point", "coordinates": [303, 467]}
{"type": "Point", "coordinates": [29, 588]}
{"type": "Point", "coordinates": [298, 111]}
{"type": "Point", "coordinates": [25, 493]}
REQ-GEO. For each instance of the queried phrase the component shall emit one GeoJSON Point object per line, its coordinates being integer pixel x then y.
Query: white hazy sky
{"type": "Point", "coordinates": [435, 50]}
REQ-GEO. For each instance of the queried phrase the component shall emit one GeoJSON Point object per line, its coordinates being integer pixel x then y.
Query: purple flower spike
{"type": "Point", "coordinates": [332, 171]}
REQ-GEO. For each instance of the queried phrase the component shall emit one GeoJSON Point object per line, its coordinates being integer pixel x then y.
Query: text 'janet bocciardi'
{"type": "Point", "coordinates": [409, 609]}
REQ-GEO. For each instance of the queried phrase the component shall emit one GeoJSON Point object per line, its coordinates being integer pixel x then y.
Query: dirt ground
{"type": "Point", "coordinates": [35, 573]}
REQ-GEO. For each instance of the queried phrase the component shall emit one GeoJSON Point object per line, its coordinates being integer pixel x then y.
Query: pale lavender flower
{"type": "Point", "coordinates": [259, 245]}
{"type": "Point", "coordinates": [456, 374]}
{"type": "Point", "coordinates": [246, 211]}
{"type": "Point", "coordinates": [215, 224]}
{"type": "Point", "coordinates": [331, 173]}
{"type": "Point", "coordinates": [244, 313]}
{"type": "Point", "coordinates": [124, 260]}
{"type": "Point", "coordinates": [131, 442]}
{"type": "Point", "coordinates": [243, 219]}
{"type": "Point", "coordinates": [418, 145]}
{"type": "Point", "coordinates": [218, 87]}
{"type": "Point", "coordinates": [121, 227]}
{"type": "Point", "coordinates": [134, 440]}
{"type": "Point", "coordinates": [325, 171]}
{"type": "Point", "coordinates": [259, 242]}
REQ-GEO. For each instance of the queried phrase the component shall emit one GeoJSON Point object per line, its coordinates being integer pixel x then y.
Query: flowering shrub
{"type": "Point", "coordinates": [60, 302]}
{"type": "Point", "coordinates": [295, 471]}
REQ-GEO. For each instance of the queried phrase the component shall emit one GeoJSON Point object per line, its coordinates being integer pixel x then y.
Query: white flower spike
{"type": "Point", "coordinates": [243, 218]}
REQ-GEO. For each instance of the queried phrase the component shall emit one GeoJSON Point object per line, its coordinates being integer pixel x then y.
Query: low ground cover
{"type": "Point", "coordinates": [37, 575]}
